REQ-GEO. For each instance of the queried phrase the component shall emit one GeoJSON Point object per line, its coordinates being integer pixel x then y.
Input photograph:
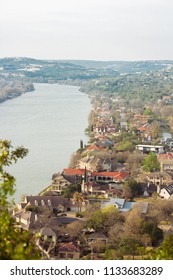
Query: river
{"type": "Point", "coordinates": [50, 122]}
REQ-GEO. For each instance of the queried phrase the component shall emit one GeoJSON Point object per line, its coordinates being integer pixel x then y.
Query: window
{"type": "Point", "coordinates": [36, 202]}
{"type": "Point", "coordinates": [62, 255]}
{"type": "Point", "coordinates": [42, 202]}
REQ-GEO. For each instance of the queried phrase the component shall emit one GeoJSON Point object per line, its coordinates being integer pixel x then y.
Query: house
{"type": "Point", "coordinates": [143, 128]}
{"type": "Point", "coordinates": [47, 234]}
{"type": "Point", "coordinates": [97, 237]}
{"type": "Point", "coordinates": [169, 142]}
{"type": "Point", "coordinates": [123, 125]}
{"type": "Point", "coordinates": [105, 176]}
{"type": "Point", "coordinates": [120, 203]}
{"type": "Point", "coordinates": [159, 178]}
{"type": "Point", "coordinates": [123, 206]}
{"type": "Point", "coordinates": [100, 189]}
{"type": "Point", "coordinates": [106, 164]}
{"type": "Point", "coordinates": [59, 183]}
{"type": "Point", "coordinates": [166, 162]}
{"type": "Point", "coordinates": [68, 251]}
{"type": "Point", "coordinates": [150, 148]}
{"type": "Point", "coordinates": [166, 192]}
{"type": "Point", "coordinates": [147, 189]}
{"type": "Point", "coordinates": [142, 206]}
{"type": "Point", "coordinates": [94, 147]}
{"type": "Point", "coordinates": [91, 163]}
{"type": "Point", "coordinates": [26, 220]}
{"type": "Point", "coordinates": [52, 202]}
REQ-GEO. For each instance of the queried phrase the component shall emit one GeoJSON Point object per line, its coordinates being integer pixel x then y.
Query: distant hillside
{"type": "Point", "coordinates": [125, 66]}
{"type": "Point", "coordinates": [146, 80]}
{"type": "Point", "coordinates": [49, 70]}
{"type": "Point", "coordinates": [55, 70]}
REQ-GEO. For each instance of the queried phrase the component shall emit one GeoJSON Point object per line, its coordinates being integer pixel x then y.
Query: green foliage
{"type": "Point", "coordinates": [130, 246]}
{"type": "Point", "coordinates": [125, 145]}
{"type": "Point", "coordinates": [134, 186]}
{"type": "Point", "coordinates": [147, 87]}
{"type": "Point", "coordinates": [8, 156]}
{"type": "Point", "coordinates": [151, 163]}
{"type": "Point", "coordinates": [148, 112]}
{"type": "Point", "coordinates": [151, 228]}
{"type": "Point", "coordinates": [111, 254]}
{"type": "Point", "coordinates": [164, 251]}
{"type": "Point", "coordinates": [102, 220]}
{"type": "Point", "coordinates": [68, 193]}
{"type": "Point", "coordinates": [14, 244]}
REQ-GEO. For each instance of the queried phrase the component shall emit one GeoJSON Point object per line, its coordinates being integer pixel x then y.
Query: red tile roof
{"type": "Point", "coordinates": [94, 147]}
{"type": "Point", "coordinates": [116, 174]}
{"type": "Point", "coordinates": [166, 156]}
{"type": "Point", "coordinates": [143, 128]}
{"type": "Point", "coordinates": [74, 171]}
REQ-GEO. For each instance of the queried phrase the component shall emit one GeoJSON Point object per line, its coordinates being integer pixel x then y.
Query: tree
{"type": "Point", "coordinates": [134, 162]}
{"type": "Point", "coordinates": [133, 223]}
{"type": "Point", "coordinates": [164, 251]}
{"type": "Point", "coordinates": [78, 198]}
{"type": "Point", "coordinates": [151, 228]}
{"type": "Point", "coordinates": [133, 185]}
{"type": "Point", "coordinates": [75, 228]}
{"type": "Point", "coordinates": [148, 112]}
{"type": "Point", "coordinates": [127, 192]}
{"type": "Point", "coordinates": [14, 244]}
{"type": "Point", "coordinates": [151, 163]}
{"type": "Point", "coordinates": [130, 246]}
{"type": "Point", "coordinates": [154, 129]}
{"type": "Point", "coordinates": [102, 220]}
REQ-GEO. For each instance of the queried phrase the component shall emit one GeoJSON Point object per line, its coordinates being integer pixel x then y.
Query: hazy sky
{"type": "Point", "coordinates": [87, 29]}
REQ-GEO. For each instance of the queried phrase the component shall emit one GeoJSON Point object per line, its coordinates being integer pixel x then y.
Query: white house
{"type": "Point", "coordinates": [167, 192]}
{"type": "Point", "coordinates": [150, 148]}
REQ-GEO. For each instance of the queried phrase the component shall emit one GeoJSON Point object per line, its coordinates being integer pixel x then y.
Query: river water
{"type": "Point", "coordinates": [50, 122]}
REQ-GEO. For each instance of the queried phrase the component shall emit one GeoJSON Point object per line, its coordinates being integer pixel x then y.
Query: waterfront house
{"type": "Point", "coordinates": [91, 163]}
{"type": "Point", "coordinates": [51, 202]}
{"type": "Point", "coordinates": [59, 183]}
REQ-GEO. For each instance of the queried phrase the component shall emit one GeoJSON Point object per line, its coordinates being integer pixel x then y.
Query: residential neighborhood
{"type": "Point", "coordinates": [125, 170]}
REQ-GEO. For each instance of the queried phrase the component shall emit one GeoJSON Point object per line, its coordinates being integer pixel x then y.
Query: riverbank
{"type": "Point", "coordinates": [10, 89]}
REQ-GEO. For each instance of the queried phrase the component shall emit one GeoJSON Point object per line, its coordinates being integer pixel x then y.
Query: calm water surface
{"type": "Point", "coordinates": [50, 122]}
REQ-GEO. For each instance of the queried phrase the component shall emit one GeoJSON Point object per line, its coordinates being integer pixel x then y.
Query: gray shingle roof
{"type": "Point", "coordinates": [169, 189]}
